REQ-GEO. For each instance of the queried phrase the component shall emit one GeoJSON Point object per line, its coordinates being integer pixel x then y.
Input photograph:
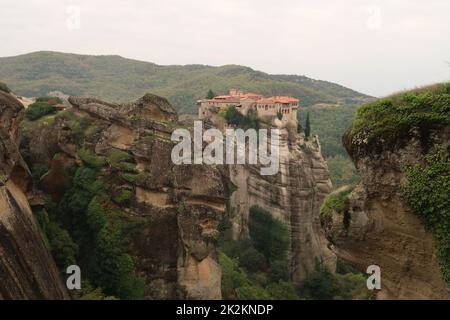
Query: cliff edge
{"type": "Point", "coordinates": [397, 217]}
{"type": "Point", "coordinates": [27, 270]}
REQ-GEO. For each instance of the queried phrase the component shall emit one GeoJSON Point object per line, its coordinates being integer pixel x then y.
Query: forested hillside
{"type": "Point", "coordinates": [114, 78]}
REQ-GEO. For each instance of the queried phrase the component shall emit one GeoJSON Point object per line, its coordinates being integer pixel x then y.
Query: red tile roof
{"type": "Point", "coordinates": [259, 98]}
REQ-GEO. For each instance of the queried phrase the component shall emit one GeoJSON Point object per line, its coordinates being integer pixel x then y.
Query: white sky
{"type": "Point", "coordinates": [375, 47]}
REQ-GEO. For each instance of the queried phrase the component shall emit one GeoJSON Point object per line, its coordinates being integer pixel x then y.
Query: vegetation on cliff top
{"type": "Point", "coordinates": [41, 107]}
{"type": "Point", "coordinates": [392, 117]}
{"type": "Point", "coordinates": [234, 117]}
{"type": "Point", "coordinates": [427, 191]}
{"type": "Point", "coordinates": [4, 87]}
{"type": "Point", "coordinates": [334, 202]}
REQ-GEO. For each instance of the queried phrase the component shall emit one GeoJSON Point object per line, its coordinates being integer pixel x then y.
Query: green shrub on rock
{"type": "Point", "coordinates": [427, 191]}
{"type": "Point", "coordinates": [38, 109]}
{"type": "Point", "coordinates": [4, 87]}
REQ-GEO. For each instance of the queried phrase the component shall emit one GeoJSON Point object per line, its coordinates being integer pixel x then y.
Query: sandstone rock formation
{"type": "Point", "coordinates": [27, 270]}
{"type": "Point", "coordinates": [293, 195]}
{"type": "Point", "coordinates": [377, 226]}
{"type": "Point", "coordinates": [178, 207]}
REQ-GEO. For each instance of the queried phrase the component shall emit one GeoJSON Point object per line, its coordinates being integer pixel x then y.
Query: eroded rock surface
{"type": "Point", "coordinates": [178, 207]}
{"type": "Point", "coordinates": [294, 196]}
{"type": "Point", "coordinates": [378, 227]}
{"type": "Point", "coordinates": [27, 270]}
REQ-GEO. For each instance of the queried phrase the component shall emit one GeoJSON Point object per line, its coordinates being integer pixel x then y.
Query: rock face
{"type": "Point", "coordinates": [179, 207]}
{"type": "Point", "coordinates": [378, 228]}
{"type": "Point", "coordinates": [293, 195]}
{"type": "Point", "coordinates": [27, 270]}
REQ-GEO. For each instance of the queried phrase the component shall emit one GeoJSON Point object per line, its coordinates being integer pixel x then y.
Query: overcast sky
{"type": "Point", "coordinates": [376, 47]}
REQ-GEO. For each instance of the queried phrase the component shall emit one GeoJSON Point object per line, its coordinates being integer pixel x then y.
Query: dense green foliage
{"type": "Point", "coordinates": [211, 94]}
{"type": "Point", "coordinates": [270, 236]}
{"type": "Point", "coordinates": [307, 126]}
{"type": "Point", "coordinates": [427, 191]}
{"type": "Point", "coordinates": [36, 74]}
{"type": "Point", "coordinates": [61, 245]}
{"type": "Point", "coordinates": [247, 273]}
{"type": "Point", "coordinates": [4, 87]}
{"type": "Point", "coordinates": [234, 117]}
{"type": "Point", "coordinates": [85, 228]}
{"type": "Point", "coordinates": [88, 292]}
{"type": "Point", "coordinates": [335, 201]}
{"type": "Point", "coordinates": [38, 109]}
{"type": "Point", "coordinates": [392, 117]}
{"type": "Point", "coordinates": [322, 284]}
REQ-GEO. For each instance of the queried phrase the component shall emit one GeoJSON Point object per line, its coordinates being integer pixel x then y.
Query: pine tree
{"type": "Point", "coordinates": [307, 126]}
{"type": "Point", "coordinates": [299, 127]}
{"type": "Point", "coordinates": [210, 94]}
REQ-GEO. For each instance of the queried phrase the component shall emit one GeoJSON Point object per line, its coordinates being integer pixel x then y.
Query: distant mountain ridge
{"type": "Point", "coordinates": [114, 78]}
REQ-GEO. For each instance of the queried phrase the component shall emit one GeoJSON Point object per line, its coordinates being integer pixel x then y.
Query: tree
{"type": "Point", "coordinates": [307, 126]}
{"type": "Point", "coordinates": [210, 94]}
{"type": "Point", "coordinates": [270, 236]}
{"type": "Point", "coordinates": [319, 284]}
{"type": "Point", "coordinates": [38, 110]}
{"type": "Point", "coordinates": [279, 115]}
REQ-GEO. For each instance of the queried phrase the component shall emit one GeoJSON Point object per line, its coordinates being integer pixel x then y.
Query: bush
{"type": "Point", "coordinates": [38, 109]}
{"type": "Point", "coordinates": [116, 156]}
{"type": "Point", "coordinates": [279, 271]}
{"type": "Point", "coordinates": [270, 236]}
{"type": "Point", "coordinates": [121, 160]}
{"type": "Point", "coordinates": [391, 117]}
{"type": "Point", "coordinates": [322, 284]}
{"type": "Point", "coordinates": [99, 230]}
{"type": "Point", "coordinates": [123, 196]}
{"type": "Point", "coordinates": [233, 277]}
{"type": "Point", "coordinates": [137, 178]}
{"type": "Point", "coordinates": [250, 258]}
{"type": "Point", "coordinates": [334, 202]}
{"type": "Point", "coordinates": [350, 286]}
{"type": "Point", "coordinates": [62, 247]}
{"type": "Point", "coordinates": [282, 290]}
{"type": "Point", "coordinates": [235, 117]}
{"type": "Point", "coordinates": [319, 284]}
{"type": "Point", "coordinates": [89, 292]}
{"type": "Point", "coordinates": [249, 292]}
{"type": "Point", "coordinates": [38, 170]}
{"type": "Point", "coordinates": [4, 87]}
{"type": "Point", "coordinates": [245, 273]}
{"type": "Point", "coordinates": [91, 160]}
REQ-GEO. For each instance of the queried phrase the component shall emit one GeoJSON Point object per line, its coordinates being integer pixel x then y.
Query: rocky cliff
{"type": "Point", "coordinates": [293, 196]}
{"type": "Point", "coordinates": [171, 212]}
{"type": "Point", "coordinates": [375, 225]}
{"type": "Point", "coordinates": [27, 270]}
